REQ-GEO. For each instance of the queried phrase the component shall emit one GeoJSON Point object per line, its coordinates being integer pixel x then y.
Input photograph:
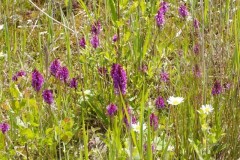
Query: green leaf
{"type": "Point", "coordinates": [66, 137]}
{"type": "Point", "coordinates": [113, 10]}
{"type": "Point", "coordinates": [84, 7]}
{"type": "Point", "coordinates": [67, 124]}
{"type": "Point", "coordinates": [147, 40]}
{"type": "Point", "coordinates": [16, 105]}
{"type": "Point", "coordinates": [34, 124]}
{"type": "Point", "coordinates": [48, 131]}
{"type": "Point", "coordinates": [196, 149]}
{"type": "Point", "coordinates": [48, 141]}
{"type": "Point", "coordinates": [124, 4]}
{"type": "Point", "coordinates": [66, 2]}
{"type": "Point", "coordinates": [28, 133]}
{"type": "Point", "coordinates": [143, 6]}
{"type": "Point", "coordinates": [32, 103]}
{"type": "Point", "coordinates": [120, 23]}
{"type": "Point", "coordinates": [133, 7]}
{"type": "Point", "coordinates": [126, 36]}
{"type": "Point", "coordinates": [15, 93]}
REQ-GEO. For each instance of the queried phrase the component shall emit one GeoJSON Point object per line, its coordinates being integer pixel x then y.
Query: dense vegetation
{"type": "Point", "coordinates": [119, 79]}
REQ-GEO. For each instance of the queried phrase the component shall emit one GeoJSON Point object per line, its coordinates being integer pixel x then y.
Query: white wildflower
{"type": "Point", "coordinates": [175, 100]}
{"type": "Point", "coordinates": [1, 26]}
{"type": "Point", "coordinates": [137, 127]}
{"type": "Point", "coordinates": [207, 109]}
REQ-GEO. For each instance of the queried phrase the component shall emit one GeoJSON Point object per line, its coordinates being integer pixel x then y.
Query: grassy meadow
{"type": "Point", "coordinates": [119, 79]}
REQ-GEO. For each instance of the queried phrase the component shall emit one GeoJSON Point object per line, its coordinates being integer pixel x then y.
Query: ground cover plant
{"type": "Point", "coordinates": [108, 79]}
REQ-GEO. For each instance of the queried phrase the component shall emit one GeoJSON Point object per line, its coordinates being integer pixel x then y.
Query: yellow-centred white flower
{"type": "Point", "coordinates": [206, 109]}
{"type": "Point", "coordinates": [175, 100]}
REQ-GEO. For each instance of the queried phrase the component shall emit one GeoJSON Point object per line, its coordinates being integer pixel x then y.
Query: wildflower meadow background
{"type": "Point", "coordinates": [119, 79]}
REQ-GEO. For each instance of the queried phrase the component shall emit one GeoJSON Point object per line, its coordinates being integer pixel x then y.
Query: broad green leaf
{"type": "Point", "coordinates": [28, 133]}
{"type": "Point", "coordinates": [66, 136]}
{"type": "Point", "coordinates": [48, 131]}
{"type": "Point", "coordinates": [48, 141]}
{"type": "Point", "coordinates": [32, 103]}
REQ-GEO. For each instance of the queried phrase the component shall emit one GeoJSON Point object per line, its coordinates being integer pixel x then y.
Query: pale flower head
{"type": "Point", "coordinates": [150, 105]}
{"type": "Point", "coordinates": [206, 109]}
{"type": "Point", "coordinates": [170, 148]}
{"type": "Point", "coordinates": [137, 127]}
{"type": "Point", "coordinates": [88, 92]}
{"type": "Point", "coordinates": [1, 26]}
{"type": "Point", "coordinates": [175, 100]}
